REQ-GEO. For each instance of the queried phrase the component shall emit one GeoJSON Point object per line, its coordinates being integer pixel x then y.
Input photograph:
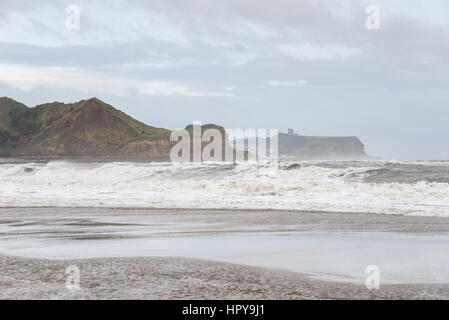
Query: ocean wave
{"type": "Point", "coordinates": [351, 186]}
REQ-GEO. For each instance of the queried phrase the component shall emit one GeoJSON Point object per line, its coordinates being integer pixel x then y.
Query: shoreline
{"type": "Point", "coordinates": [251, 210]}
{"type": "Point", "coordinates": [328, 221]}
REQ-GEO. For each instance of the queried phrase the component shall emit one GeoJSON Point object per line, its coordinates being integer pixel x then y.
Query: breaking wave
{"type": "Point", "coordinates": [415, 188]}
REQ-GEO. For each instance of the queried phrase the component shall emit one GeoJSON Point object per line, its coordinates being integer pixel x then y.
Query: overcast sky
{"type": "Point", "coordinates": [311, 65]}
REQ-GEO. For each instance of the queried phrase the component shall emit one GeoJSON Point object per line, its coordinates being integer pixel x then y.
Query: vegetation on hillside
{"type": "Point", "coordinates": [25, 120]}
{"type": "Point", "coordinates": [204, 127]}
{"type": "Point", "coordinates": [88, 127]}
{"type": "Point", "coordinates": [4, 136]}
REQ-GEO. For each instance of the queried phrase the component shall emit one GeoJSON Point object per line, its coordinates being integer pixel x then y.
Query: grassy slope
{"type": "Point", "coordinates": [78, 128]}
{"type": "Point", "coordinates": [116, 136]}
{"type": "Point", "coordinates": [144, 131]}
{"type": "Point", "coordinates": [7, 106]}
{"type": "Point", "coordinates": [17, 122]}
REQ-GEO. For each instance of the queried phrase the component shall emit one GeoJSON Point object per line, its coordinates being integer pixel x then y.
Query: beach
{"type": "Point", "coordinates": [286, 230]}
{"type": "Point", "coordinates": [220, 254]}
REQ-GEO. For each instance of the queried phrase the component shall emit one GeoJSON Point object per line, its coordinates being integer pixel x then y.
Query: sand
{"type": "Point", "coordinates": [37, 231]}
{"type": "Point", "coordinates": [176, 278]}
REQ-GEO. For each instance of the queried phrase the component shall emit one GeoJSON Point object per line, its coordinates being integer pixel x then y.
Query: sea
{"type": "Point", "coordinates": [362, 186]}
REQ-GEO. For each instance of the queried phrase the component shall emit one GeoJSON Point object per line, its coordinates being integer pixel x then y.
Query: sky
{"type": "Point", "coordinates": [310, 65]}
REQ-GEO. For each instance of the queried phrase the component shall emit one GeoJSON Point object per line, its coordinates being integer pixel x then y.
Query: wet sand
{"type": "Point", "coordinates": [176, 222]}
{"type": "Point", "coordinates": [178, 278]}
{"type": "Point", "coordinates": [29, 236]}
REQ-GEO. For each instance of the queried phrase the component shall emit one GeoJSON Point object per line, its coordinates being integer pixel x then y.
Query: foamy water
{"type": "Point", "coordinates": [417, 188]}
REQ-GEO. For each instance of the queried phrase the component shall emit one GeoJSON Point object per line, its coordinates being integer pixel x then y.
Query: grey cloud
{"type": "Point", "coordinates": [391, 90]}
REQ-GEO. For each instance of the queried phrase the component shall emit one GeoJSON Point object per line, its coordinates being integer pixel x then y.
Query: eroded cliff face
{"type": "Point", "coordinates": [308, 147]}
{"type": "Point", "coordinates": [146, 149]}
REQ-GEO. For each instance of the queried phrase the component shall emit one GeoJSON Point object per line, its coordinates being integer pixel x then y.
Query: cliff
{"type": "Point", "coordinates": [310, 147]}
{"type": "Point", "coordinates": [88, 128]}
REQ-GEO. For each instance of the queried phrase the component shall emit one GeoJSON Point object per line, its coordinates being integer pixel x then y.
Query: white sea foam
{"type": "Point", "coordinates": [307, 185]}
